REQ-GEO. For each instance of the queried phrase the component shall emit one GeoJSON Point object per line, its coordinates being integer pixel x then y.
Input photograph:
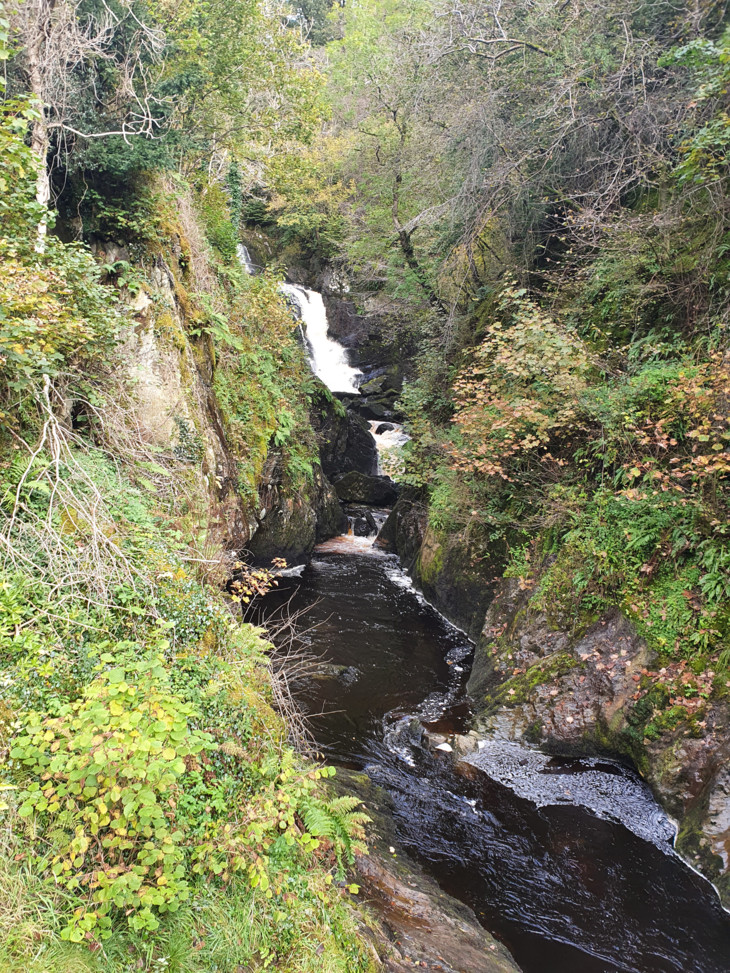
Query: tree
{"type": "Point", "coordinates": [87, 61]}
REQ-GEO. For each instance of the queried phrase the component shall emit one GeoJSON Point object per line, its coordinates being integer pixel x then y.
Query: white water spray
{"type": "Point", "coordinates": [389, 444]}
{"type": "Point", "coordinates": [244, 258]}
{"type": "Point", "coordinates": [327, 357]}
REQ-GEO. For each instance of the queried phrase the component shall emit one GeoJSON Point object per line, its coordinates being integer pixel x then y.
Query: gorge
{"type": "Point", "coordinates": [364, 486]}
{"type": "Point", "coordinates": [568, 859]}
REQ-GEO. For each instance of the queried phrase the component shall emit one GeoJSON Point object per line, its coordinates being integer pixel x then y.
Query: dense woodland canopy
{"type": "Point", "coordinates": [534, 195]}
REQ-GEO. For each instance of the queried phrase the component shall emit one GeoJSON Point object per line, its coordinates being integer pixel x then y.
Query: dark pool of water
{"type": "Point", "coordinates": [567, 890]}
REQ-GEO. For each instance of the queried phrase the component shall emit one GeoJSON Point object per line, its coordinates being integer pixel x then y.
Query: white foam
{"type": "Point", "coordinates": [327, 357]}
{"type": "Point", "coordinates": [389, 445]}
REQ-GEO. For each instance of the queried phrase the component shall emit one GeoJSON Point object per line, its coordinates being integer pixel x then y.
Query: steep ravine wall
{"type": "Point", "coordinates": [574, 693]}
{"type": "Point", "coordinates": [176, 411]}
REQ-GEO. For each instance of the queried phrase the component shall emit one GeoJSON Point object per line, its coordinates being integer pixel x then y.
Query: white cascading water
{"type": "Point", "coordinates": [244, 258]}
{"type": "Point", "coordinates": [327, 357]}
{"type": "Point", "coordinates": [389, 444]}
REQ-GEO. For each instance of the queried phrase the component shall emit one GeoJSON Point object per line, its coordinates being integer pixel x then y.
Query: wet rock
{"type": "Point", "coordinates": [377, 491]}
{"type": "Point", "coordinates": [453, 576]}
{"type": "Point", "coordinates": [586, 693]}
{"type": "Point", "coordinates": [416, 923]}
{"type": "Point", "coordinates": [290, 526]}
{"type": "Point", "coordinates": [376, 339]}
{"type": "Point", "coordinates": [433, 740]}
{"type": "Point", "coordinates": [373, 386]}
{"type": "Point", "coordinates": [455, 580]}
{"type": "Point", "coordinates": [345, 442]}
{"type": "Point", "coordinates": [361, 528]}
{"type": "Point", "coordinates": [403, 531]}
{"type": "Point", "coordinates": [557, 693]}
{"type": "Point", "coordinates": [382, 407]}
{"type": "Point", "coordinates": [347, 675]}
{"type": "Point", "coordinates": [362, 520]}
{"type": "Point", "coordinates": [464, 743]}
{"type": "Point", "coordinates": [384, 427]}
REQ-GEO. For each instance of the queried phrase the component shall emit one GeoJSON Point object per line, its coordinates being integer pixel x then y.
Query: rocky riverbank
{"type": "Point", "coordinates": [600, 691]}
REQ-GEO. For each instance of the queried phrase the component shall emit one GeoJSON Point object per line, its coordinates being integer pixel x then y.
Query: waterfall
{"type": "Point", "coordinates": [389, 442]}
{"type": "Point", "coordinates": [327, 357]}
{"type": "Point", "coordinates": [244, 258]}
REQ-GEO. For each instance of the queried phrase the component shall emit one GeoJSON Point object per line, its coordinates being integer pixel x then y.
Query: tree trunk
{"type": "Point", "coordinates": [35, 50]}
{"type": "Point", "coordinates": [406, 245]}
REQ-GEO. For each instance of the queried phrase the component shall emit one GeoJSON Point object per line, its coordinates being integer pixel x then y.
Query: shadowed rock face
{"type": "Point", "coordinates": [591, 694]}
{"type": "Point", "coordinates": [345, 443]}
{"type": "Point", "coordinates": [290, 526]}
{"type": "Point", "coordinates": [402, 533]}
{"type": "Point", "coordinates": [376, 491]}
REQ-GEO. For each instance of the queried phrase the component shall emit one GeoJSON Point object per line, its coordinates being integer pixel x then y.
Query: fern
{"type": "Point", "coordinates": [339, 822]}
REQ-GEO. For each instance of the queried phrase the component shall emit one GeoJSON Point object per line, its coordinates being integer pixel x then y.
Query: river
{"type": "Point", "coordinates": [568, 862]}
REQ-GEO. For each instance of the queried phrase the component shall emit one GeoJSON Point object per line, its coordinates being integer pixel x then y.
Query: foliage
{"type": "Point", "coordinates": [706, 147]}
{"type": "Point", "coordinates": [144, 754]}
{"type": "Point", "coordinates": [105, 767]}
{"type": "Point", "coordinates": [219, 226]}
{"type": "Point", "coordinates": [54, 314]}
{"type": "Point", "coordinates": [521, 390]}
{"type": "Point", "coordinates": [18, 206]}
{"type": "Point", "coordinates": [266, 386]}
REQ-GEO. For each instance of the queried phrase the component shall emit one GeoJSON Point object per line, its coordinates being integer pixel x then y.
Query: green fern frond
{"type": "Point", "coordinates": [338, 822]}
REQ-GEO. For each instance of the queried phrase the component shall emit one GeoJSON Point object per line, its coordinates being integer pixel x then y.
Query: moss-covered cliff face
{"type": "Point", "coordinates": [605, 690]}
{"type": "Point", "coordinates": [176, 409]}
{"type": "Point", "coordinates": [221, 384]}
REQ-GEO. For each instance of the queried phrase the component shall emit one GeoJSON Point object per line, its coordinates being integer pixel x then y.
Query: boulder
{"type": "Point", "coordinates": [290, 526]}
{"type": "Point", "coordinates": [403, 531]}
{"type": "Point", "coordinates": [361, 528]}
{"type": "Point", "coordinates": [376, 491]}
{"type": "Point", "coordinates": [362, 520]}
{"type": "Point", "coordinates": [345, 442]}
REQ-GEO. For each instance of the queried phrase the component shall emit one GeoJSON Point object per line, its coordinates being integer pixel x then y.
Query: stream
{"type": "Point", "coordinates": [568, 862]}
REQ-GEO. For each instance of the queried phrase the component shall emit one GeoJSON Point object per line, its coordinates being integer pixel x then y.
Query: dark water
{"type": "Point", "coordinates": [568, 889]}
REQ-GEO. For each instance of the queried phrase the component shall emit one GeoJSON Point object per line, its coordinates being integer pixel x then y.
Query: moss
{"type": "Point", "coordinates": [184, 302]}
{"type": "Point", "coordinates": [693, 845]}
{"type": "Point", "coordinates": [619, 738]}
{"type": "Point", "coordinates": [518, 689]}
{"type": "Point", "coordinates": [431, 558]}
{"type": "Point", "coordinates": [169, 330]}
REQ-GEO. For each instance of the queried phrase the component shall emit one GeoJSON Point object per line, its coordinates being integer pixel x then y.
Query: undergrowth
{"type": "Point", "coordinates": [153, 814]}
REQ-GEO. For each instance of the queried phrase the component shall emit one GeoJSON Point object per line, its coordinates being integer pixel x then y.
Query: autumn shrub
{"type": "Point", "coordinates": [520, 391]}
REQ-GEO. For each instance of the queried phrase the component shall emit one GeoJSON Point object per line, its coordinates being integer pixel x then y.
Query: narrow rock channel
{"type": "Point", "coordinates": [569, 862]}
